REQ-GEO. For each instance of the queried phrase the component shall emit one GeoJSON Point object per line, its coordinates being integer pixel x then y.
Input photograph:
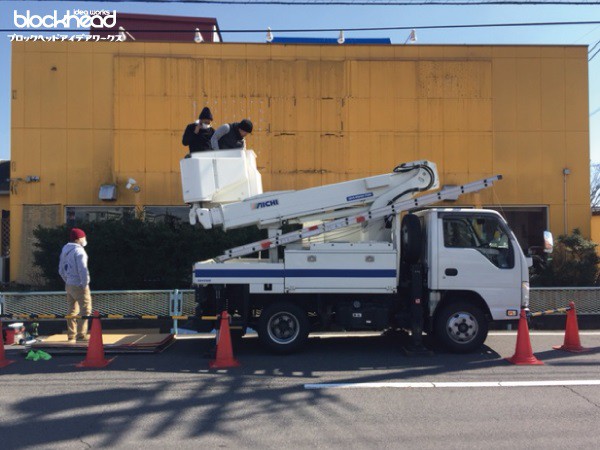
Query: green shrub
{"type": "Point", "coordinates": [573, 262]}
{"type": "Point", "coordinates": [133, 254]}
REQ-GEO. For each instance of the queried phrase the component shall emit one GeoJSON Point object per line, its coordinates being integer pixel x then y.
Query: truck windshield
{"type": "Point", "coordinates": [483, 233]}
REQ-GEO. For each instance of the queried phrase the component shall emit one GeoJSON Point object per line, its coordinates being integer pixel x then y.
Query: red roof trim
{"type": "Point", "coordinates": [157, 17]}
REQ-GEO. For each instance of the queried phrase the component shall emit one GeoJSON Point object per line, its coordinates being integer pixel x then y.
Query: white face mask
{"type": "Point", "coordinates": [83, 242]}
{"type": "Point", "coordinates": [205, 126]}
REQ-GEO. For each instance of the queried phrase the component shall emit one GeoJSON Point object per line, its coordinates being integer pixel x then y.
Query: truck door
{"type": "Point", "coordinates": [476, 252]}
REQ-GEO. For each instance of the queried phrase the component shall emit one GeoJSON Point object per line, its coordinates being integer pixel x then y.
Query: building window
{"type": "Point", "coordinates": [81, 214]}
{"type": "Point", "coordinates": [161, 214]}
{"type": "Point", "coordinates": [167, 214]}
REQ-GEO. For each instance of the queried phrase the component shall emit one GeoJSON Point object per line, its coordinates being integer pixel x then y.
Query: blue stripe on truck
{"type": "Point", "coordinates": [294, 273]}
{"type": "Point", "coordinates": [326, 273]}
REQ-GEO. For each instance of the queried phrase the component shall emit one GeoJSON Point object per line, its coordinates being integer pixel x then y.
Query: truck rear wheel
{"type": "Point", "coordinates": [283, 327]}
{"type": "Point", "coordinates": [461, 327]}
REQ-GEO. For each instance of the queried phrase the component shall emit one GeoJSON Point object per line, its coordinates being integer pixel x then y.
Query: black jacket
{"type": "Point", "coordinates": [197, 142]}
{"type": "Point", "coordinates": [233, 139]}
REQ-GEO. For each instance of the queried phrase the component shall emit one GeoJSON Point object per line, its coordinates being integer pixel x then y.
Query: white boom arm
{"type": "Point", "coordinates": [376, 213]}
{"type": "Point", "coordinates": [334, 200]}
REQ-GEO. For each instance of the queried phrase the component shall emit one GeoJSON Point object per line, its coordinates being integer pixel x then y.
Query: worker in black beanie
{"type": "Point", "coordinates": [231, 135]}
{"type": "Point", "coordinates": [197, 135]}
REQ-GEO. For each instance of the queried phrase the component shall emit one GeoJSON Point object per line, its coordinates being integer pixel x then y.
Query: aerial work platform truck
{"type": "Point", "coordinates": [365, 254]}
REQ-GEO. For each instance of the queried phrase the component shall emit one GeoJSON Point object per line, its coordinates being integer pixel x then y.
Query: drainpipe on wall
{"type": "Point", "coordinates": [565, 173]}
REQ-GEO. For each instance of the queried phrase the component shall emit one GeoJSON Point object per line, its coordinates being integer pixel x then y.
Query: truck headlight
{"type": "Point", "coordinates": [525, 294]}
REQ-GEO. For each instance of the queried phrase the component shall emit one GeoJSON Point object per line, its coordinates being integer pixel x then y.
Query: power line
{"type": "Point", "coordinates": [389, 2]}
{"type": "Point", "coordinates": [373, 2]}
{"type": "Point", "coordinates": [324, 30]}
{"type": "Point", "coordinates": [586, 34]}
{"type": "Point", "coordinates": [594, 55]}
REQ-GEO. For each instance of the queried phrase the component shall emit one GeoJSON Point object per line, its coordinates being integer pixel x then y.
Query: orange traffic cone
{"type": "Point", "coordinates": [95, 353]}
{"type": "Point", "coordinates": [3, 361]}
{"type": "Point", "coordinates": [523, 353]}
{"type": "Point", "coordinates": [224, 358]}
{"type": "Point", "coordinates": [571, 343]}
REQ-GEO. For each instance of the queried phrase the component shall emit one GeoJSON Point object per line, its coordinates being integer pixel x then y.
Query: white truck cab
{"type": "Point", "coordinates": [474, 250]}
{"type": "Point", "coordinates": [368, 257]}
{"type": "Point", "coordinates": [473, 259]}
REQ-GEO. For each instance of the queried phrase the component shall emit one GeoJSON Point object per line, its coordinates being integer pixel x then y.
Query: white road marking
{"type": "Point", "coordinates": [456, 384]}
{"type": "Point", "coordinates": [363, 334]}
{"type": "Point", "coordinates": [352, 334]}
{"type": "Point", "coordinates": [542, 333]}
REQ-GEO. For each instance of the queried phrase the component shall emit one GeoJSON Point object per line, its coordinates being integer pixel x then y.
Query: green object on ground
{"type": "Point", "coordinates": [43, 355]}
{"type": "Point", "coordinates": [32, 356]}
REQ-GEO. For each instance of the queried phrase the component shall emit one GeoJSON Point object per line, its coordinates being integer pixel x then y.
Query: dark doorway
{"type": "Point", "coordinates": [527, 222]}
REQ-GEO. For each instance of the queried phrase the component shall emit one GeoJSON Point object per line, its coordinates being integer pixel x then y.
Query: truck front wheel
{"type": "Point", "coordinates": [461, 327]}
{"type": "Point", "coordinates": [283, 327]}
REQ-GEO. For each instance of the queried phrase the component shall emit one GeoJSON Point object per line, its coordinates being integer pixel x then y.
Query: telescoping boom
{"type": "Point", "coordinates": [332, 201]}
{"type": "Point", "coordinates": [394, 208]}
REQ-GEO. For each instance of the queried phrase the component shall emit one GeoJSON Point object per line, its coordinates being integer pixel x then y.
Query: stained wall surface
{"type": "Point", "coordinates": [87, 114]}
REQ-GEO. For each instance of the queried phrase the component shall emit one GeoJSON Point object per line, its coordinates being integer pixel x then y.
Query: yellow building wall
{"type": "Point", "coordinates": [4, 202]}
{"type": "Point", "coordinates": [85, 114]}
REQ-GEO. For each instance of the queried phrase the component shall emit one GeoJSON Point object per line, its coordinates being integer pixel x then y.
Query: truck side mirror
{"type": "Point", "coordinates": [548, 242]}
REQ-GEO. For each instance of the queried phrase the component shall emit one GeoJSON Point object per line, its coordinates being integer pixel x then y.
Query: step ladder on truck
{"type": "Point", "coordinates": [360, 260]}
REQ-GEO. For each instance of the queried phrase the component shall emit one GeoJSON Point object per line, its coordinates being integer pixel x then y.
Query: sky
{"type": "Point", "coordinates": [244, 17]}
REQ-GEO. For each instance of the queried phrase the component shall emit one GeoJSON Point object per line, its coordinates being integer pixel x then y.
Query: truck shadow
{"type": "Point", "coordinates": [364, 353]}
{"type": "Point", "coordinates": [209, 404]}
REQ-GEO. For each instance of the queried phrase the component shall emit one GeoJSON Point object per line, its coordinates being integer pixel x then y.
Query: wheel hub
{"type": "Point", "coordinates": [462, 327]}
{"type": "Point", "coordinates": [283, 328]}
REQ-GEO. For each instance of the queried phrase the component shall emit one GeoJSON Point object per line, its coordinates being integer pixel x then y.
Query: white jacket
{"type": "Point", "coordinates": [73, 265]}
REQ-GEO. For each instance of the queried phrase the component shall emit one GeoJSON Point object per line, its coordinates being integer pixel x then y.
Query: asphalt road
{"type": "Point", "coordinates": [171, 400]}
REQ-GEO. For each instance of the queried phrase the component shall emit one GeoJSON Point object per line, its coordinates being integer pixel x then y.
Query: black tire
{"type": "Point", "coordinates": [461, 327]}
{"type": "Point", "coordinates": [411, 237]}
{"type": "Point", "coordinates": [283, 327]}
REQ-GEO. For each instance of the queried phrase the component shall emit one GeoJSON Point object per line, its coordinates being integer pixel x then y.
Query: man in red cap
{"type": "Point", "coordinates": [73, 269]}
